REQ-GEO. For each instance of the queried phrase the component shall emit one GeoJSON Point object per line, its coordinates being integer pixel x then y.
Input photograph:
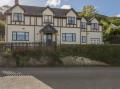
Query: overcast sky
{"type": "Point", "coordinates": [107, 7]}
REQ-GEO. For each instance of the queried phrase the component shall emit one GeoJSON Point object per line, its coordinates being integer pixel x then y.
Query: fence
{"type": "Point", "coordinates": [13, 46]}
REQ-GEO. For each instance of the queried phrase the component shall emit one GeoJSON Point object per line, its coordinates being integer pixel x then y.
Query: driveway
{"type": "Point", "coordinates": [71, 78]}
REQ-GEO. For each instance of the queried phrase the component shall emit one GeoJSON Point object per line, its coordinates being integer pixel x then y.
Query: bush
{"type": "Point", "coordinates": [109, 54]}
{"type": "Point", "coordinates": [24, 56]}
{"type": "Point", "coordinates": [106, 53]}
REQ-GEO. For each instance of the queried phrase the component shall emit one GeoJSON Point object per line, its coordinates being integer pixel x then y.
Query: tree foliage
{"type": "Point", "coordinates": [115, 20]}
{"type": "Point", "coordinates": [113, 35]}
{"type": "Point", "coordinates": [88, 11]}
{"type": "Point", "coordinates": [110, 33]}
{"type": "Point", "coordinates": [2, 25]}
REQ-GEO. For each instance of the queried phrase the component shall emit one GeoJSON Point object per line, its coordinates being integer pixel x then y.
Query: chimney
{"type": "Point", "coordinates": [16, 2]}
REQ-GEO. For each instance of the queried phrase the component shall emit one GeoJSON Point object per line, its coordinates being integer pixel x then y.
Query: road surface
{"type": "Point", "coordinates": [71, 78]}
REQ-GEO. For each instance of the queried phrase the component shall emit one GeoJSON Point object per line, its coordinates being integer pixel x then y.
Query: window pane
{"type": "Point", "coordinates": [84, 39]}
{"type": "Point", "coordinates": [69, 37]}
{"type": "Point", "coordinates": [47, 18]}
{"type": "Point", "coordinates": [14, 36]}
{"type": "Point", "coordinates": [83, 25]}
{"type": "Point", "coordinates": [71, 20]}
{"type": "Point", "coordinates": [17, 16]}
{"type": "Point", "coordinates": [95, 40]}
{"type": "Point", "coordinates": [20, 36]}
{"type": "Point", "coordinates": [74, 37]}
{"type": "Point", "coordinates": [95, 26]}
{"type": "Point", "coordinates": [27, 36]}
{"type": "Point", "coordinates": [63, 37]}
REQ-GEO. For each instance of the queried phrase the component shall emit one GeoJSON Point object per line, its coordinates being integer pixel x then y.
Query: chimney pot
{"type": "Point", "coordinates": [16, 2]}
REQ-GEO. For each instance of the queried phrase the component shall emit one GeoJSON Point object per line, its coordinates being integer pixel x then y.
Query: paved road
{"type": "Point", "coordinates": [72, 78]}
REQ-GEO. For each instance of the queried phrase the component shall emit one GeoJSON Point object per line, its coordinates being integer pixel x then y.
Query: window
{"type": "Point", "coordinates": [20, 36]}
{"type": "Point", "coordinates": [17, 17]}
{"type": "Point", "coordinates": [95, 26]}
{"type": "Point", "coordinates": [83, 25]}
{"type": "Point", "coordinates": [47, 19]}
{"type": "Point", "coordinates": [95, 40]}
{"type": "Point", "coordinates": [71, 20]}
{"type": "Point", "coordinates": [69, 37]}
{"type": "Point", "coordinates": [84, 39]}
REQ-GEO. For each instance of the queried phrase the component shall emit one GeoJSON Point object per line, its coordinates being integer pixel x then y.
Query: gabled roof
{"type": "Point", "coordinates": [34, 10]}
{"type": "Point", "coordinates": [48, 29]}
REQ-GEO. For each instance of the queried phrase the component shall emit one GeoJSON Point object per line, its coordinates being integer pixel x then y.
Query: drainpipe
{"type": "Point", "coordinates": [60, 30]}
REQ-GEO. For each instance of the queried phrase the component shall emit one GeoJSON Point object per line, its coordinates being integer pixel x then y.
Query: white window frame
{"type": "Point", "coordinates": [16, 36]}
{"type": "Point", "coordinates": [84, 39]}
{"type": "Point", "coordinates": [72, 20]}
{"type": "Point", "coordinates": [95, 40]}
{"type": "Point", "coordinates": [94, 26]}
{"type": "Point", "coordinates": [47, 18]}
{"type": "Point", "coordinates": [83, 25]}
{"type": "Point", "coordinates": [17, 17]}
{"type": "Point", "coordinates": [69, 37]}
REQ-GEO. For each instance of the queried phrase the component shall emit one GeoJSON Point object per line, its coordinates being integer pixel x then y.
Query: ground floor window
{"type": "Point", "coordinates": [69, 37]}
{"type": "Point", "coordinates": [20, 36]}
{"type": "Point", "coordinates": [84, 39]}
{"type": "Point", "coordinates": [95, 40]}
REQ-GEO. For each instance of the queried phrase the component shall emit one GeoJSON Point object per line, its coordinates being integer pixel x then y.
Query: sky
{"type": "Point", "coordinates": [105, 7]}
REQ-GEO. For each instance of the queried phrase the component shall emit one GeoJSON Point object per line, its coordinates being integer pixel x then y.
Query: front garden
{"type": "Point", "coordinates": [53, 56]}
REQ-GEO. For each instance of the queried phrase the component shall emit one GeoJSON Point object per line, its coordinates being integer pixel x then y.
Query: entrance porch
{"type": "Point", "coordinates": [48, 35]}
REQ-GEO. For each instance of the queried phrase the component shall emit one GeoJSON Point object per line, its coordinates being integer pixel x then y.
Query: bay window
{"type": "Point", "coordinates": [20, 36]}
{"type": "Point", "coordinates": [69, 37]}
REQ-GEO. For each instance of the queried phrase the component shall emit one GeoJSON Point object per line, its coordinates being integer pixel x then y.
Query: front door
{"type": "Point", "coordinates": [49, 38]}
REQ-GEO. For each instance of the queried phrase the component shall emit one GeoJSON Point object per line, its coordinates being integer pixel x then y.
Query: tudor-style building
{"type": "Point", "coordinates": [47, 25]}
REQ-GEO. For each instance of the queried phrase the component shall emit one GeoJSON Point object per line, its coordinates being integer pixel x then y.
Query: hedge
{"type": "Point", "coordinates": [109, 54]}
{"type": "Point", "coordinates": [106, 53]}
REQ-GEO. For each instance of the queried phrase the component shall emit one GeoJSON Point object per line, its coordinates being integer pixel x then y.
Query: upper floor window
{"type": "Point", "coordinates": [95, 26]}
{"type": "Point", "coordinates": [47, 19]}
{"type": "Point", "coordinates": [17, 17]}
{"type": "Point", "coordinates": [71, 20]}
{"type": "Point", "coordinates": [83, 25]}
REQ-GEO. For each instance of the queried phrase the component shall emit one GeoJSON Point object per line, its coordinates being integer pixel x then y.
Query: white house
{"type": "Point", "coordinates": [47, 25]}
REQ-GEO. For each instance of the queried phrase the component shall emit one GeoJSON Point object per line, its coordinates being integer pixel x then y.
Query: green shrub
{"type": "Point", "coordinates": [105, 53]}
{"type": "Point", "coordinates": [23, 56]}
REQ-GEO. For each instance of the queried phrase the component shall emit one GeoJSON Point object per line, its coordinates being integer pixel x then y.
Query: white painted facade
{"type": "Point", "coordinates": [32, 24]}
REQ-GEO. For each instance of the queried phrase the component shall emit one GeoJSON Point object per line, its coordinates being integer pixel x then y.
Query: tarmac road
{"type": "Point", "coordinates": [71, 78]}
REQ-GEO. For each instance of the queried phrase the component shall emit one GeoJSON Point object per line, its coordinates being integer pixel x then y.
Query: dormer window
{"type": "Point", "coordinates": [47, 19]}
{"type": "Point", "coordinates": [83, 25]}
{"type": "Point", "coordinates": [71, 20]}
{"type": "Point", "coordinates": [17, 17]}
{"type": "Point", "coordinates": [95, 26]}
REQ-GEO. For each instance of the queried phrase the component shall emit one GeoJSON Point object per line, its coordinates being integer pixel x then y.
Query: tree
{"type": "Point", "coordinates": [88, 11]}
{"type": "Point", "coordinates": [2, 25]}
{"type": "Point", "coordinates": [2, 30]}
{"type": "Point", "coordinates": [115, 20]}
{"type": "Point", "coordinates": [113, 36]}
